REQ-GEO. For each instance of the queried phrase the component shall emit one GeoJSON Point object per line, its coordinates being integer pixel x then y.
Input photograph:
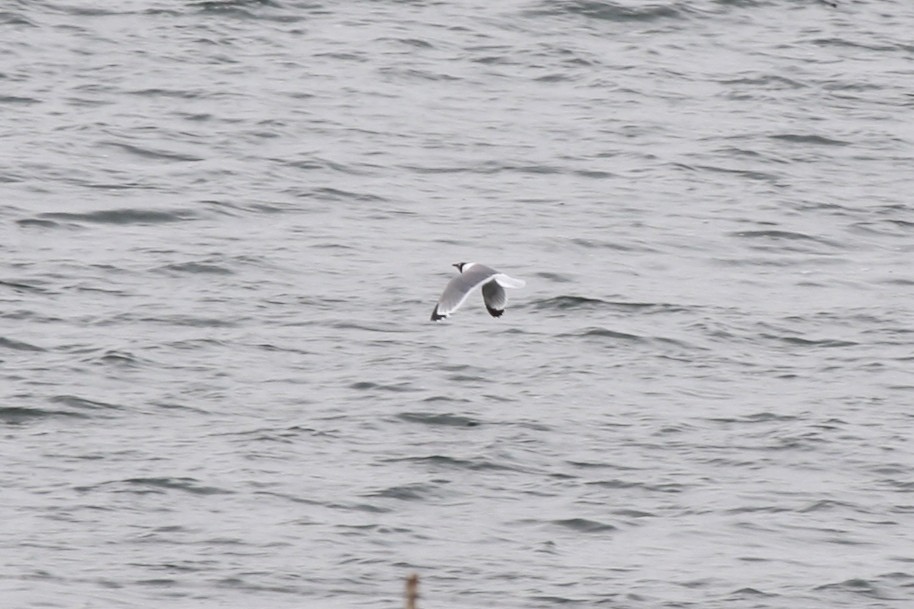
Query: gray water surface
{"type": "Point", "coordinates": [223, 227]}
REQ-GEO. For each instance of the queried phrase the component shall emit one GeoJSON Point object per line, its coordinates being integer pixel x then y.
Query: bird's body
{"type": "Point", "coordinates": [473, 275]}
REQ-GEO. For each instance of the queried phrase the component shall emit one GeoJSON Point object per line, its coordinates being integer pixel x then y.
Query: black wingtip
{"type": "Point", "coordinates": [494, 312]}
{"type": "Point", "coordinates": [436, 316]}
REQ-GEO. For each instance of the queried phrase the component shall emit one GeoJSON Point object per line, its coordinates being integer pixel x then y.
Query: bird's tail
{"type": "Point", "coordinates": [509, 282]}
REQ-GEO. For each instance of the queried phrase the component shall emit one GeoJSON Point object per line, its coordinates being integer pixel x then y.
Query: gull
{"type": "Point", "coordinates": [472, 275]}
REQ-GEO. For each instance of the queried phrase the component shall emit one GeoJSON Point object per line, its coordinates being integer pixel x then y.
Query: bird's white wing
{"type": "Point", "coordinates": [459, 288]}
{"type": "Point", "coordinates": [494, 297]}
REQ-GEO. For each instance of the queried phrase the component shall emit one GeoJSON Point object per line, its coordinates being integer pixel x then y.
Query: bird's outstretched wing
{"type": "Point", "coordinates": [459, 288]}
{"type": "Point", "coordinates": [495, 298]}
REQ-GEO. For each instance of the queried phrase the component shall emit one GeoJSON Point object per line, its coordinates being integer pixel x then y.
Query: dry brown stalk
{"type": "Point", "coordinates": [412, 591]}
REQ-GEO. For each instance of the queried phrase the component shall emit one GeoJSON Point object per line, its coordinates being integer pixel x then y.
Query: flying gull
{"type": "Point", "coordinates": [472, 275]}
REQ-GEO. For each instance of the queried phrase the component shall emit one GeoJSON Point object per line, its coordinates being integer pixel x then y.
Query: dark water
{"type": "Point", "coordinates": [224, 226]}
